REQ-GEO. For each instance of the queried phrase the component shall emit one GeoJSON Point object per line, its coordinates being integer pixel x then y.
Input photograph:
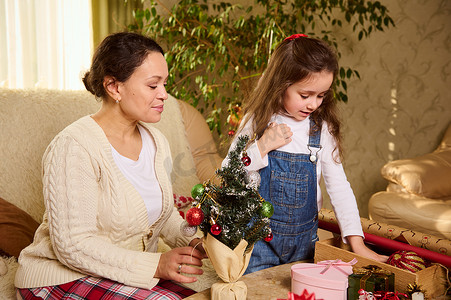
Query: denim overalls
{"type": "Point", "coordinates": [289, 183]}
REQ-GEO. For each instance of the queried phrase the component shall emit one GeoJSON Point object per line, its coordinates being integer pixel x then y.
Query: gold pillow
{"type": "Point", "coordinates": [427, 175]}
{"type": "Point", "coordinates": [446, 141]}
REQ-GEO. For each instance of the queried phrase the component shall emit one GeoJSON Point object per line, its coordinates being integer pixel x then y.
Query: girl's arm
{"type": "Point", "coordinates": [359, 247]}
{"type": "Point", "coordinates": [343, 200]}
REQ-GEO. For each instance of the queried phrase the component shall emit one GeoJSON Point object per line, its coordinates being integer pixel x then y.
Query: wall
{"type": "Point", "coordinates": [401, 106]}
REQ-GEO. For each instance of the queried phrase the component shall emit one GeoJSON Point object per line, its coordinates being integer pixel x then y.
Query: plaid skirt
{"type": "Point", "coordinates": [101, 288]}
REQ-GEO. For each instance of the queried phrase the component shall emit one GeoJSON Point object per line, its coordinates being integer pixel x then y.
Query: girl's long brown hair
{"type": "Point", "coordinates": [292, 61]}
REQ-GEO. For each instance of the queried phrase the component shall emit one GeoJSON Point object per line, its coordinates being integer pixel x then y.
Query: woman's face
{"type": "Point", "coordinates": [143, 94]}
{"type": "Point", "coordinates": [305, 96]}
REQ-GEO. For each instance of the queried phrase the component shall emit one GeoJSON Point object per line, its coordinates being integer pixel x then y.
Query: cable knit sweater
{"type": "Point", "coordinates": [95, 222]}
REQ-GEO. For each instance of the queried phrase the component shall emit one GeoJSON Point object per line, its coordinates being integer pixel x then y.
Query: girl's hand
{"type": "Point", "coordinates": [274, 137]}
{"type": "Point", "coordinates": [168, 266]}
{"type": "Point", "coordinates": [359, 247]}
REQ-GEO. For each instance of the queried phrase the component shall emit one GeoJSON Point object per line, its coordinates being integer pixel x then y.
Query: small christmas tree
{"type": "Point", "coordinates": [235, 210]}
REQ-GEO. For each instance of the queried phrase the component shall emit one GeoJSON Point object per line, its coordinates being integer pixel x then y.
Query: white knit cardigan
{"type": "Point", "coordinates": [95, 222]}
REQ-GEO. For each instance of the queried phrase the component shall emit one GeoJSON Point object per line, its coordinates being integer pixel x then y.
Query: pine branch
{"type": "Point", "coordinates": [234, 205]}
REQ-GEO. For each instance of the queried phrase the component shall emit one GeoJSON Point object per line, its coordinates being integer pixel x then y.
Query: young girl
{"type": "Point", "coordinates": [292, 114]}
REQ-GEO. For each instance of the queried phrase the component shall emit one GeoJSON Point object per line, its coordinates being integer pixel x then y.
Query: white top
{"type": "Point", "coordinates": [342, 197]}
{"type": "Point", "coordinates": [141, 174]}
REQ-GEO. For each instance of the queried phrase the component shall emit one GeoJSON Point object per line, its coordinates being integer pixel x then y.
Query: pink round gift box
{"type": "Point", "coordinates": [327, 281]}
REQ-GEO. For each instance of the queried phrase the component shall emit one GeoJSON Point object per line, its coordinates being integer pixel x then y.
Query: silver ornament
{"type": "Point", "coordinates": [253, 179]}
{"type": "Point", "coordinates": [214, 210]}
{"type": "Point", "coordinates": [187, 230]}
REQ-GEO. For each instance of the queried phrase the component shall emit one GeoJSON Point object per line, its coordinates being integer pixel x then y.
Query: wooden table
{"type": "Point", "coordinates": [268, 284]}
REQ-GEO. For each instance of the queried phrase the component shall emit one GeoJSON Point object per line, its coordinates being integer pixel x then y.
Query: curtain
{"type": "Point", "coordinates": [109, 16]}
{"type": "Point", "coordinates": [44, 43]}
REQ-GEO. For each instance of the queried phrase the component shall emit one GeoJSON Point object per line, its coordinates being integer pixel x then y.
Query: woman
{"type": "Point", "coordinates": [107, 190]}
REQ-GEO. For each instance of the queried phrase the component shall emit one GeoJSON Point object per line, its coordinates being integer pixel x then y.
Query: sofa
{"type": "Point", "coordinates": [29, 119]}
{"type": "Point", "coordinates": [418, 195]}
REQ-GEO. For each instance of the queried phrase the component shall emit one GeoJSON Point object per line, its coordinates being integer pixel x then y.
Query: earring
{"type": "Point", "coordinates": [117, 101]}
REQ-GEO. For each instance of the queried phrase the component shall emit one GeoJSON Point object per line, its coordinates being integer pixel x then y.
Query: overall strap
{"type": "Point", "coordinates": [314, 141]}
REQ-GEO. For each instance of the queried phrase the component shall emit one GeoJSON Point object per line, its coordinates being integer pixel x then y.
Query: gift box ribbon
{"type": "Point", "coordinates": [370, 270]}
{"type": "Point", "coordinates": [379, 295]}
{"type": "Point", "coordinates": [364, 295]}
{"type": "Point", "coordinates": [335, 264]}
{"type": "Point", "coordinates": [388, 295]}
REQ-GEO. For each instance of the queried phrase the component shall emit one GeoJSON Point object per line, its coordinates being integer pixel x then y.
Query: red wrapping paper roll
{"type": "Point", "coordinates": [389, 244]}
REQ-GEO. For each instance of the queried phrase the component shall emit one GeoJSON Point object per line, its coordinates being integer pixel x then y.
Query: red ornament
{"type": "Point", "coordinates": [194, 216]}
{"type": "Point", "coordinates": [231, 132]}
{"type": "Point", "coordinates": [215, 229]}
{"type": "Point", "coordinates": [269, 237]}
{"type": "Point", "coordinates": [407, 260]}
{"type": "Point", "coordinates": [246, 160]}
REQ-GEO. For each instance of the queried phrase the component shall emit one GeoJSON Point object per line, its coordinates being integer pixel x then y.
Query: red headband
{"type": "Point", "coordinates": [295, 36]}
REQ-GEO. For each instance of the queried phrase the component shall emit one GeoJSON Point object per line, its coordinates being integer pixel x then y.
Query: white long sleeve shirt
{"type": "Point", "coordinates": [342, 197]}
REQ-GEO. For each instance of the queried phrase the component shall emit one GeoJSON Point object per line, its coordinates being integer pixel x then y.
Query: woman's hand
{"type": "Point", "coordinates": [275, 136]}
{"type": "Point", "coordinates": [196, 243]}
{"type": "Point", "coordinates": [359, 247]}
{"type": "Point", "coordinates": [180, 260]}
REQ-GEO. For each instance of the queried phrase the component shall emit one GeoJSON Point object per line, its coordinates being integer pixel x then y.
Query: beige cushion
{"type": "Point", "coordinates": [431, 216]}
{"type": "Point", "coordinates": [7, 290]}
{"type": "Point", "coordinates": [201, 142]}
{"type": "Point", "coordinates": [427, 175]}
{"type": "Point", "coordinates": [184, 169]}
{"type": "Point", "coordinates": [29, 120]}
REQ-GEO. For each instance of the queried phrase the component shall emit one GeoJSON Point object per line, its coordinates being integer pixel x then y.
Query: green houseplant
{"type": "Point", "coordinates": [216, 52]}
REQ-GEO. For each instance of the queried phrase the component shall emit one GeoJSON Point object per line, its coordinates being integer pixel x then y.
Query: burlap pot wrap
{"type": "Point", "coordinates": [230, 266]}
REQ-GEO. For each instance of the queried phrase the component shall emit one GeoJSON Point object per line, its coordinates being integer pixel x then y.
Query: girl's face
{"type": "Point", "coordinates": [143, 94]}
{"type": "Point", "coordinates": [305, 96]}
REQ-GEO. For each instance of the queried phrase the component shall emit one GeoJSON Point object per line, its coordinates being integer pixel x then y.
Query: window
{"type": "Point", "coordinates": [44, 43]}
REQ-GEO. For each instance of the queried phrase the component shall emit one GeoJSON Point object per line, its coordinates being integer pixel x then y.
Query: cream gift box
{"type": "Point", "coordinates": [328, 279]}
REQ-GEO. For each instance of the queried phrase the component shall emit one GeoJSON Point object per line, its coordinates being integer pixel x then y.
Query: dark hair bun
{"type": "Point", "coordinates": [87, 83]}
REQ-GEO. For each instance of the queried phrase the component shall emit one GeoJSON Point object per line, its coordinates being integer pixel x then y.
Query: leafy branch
{"type": "Point", "coordinates": [216, 52]}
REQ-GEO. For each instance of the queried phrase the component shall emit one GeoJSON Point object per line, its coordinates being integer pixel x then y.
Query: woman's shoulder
{"type": "Point", "coordinates": [84, 131]}
{"type": "Point", "coordinates": [80, 126]}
